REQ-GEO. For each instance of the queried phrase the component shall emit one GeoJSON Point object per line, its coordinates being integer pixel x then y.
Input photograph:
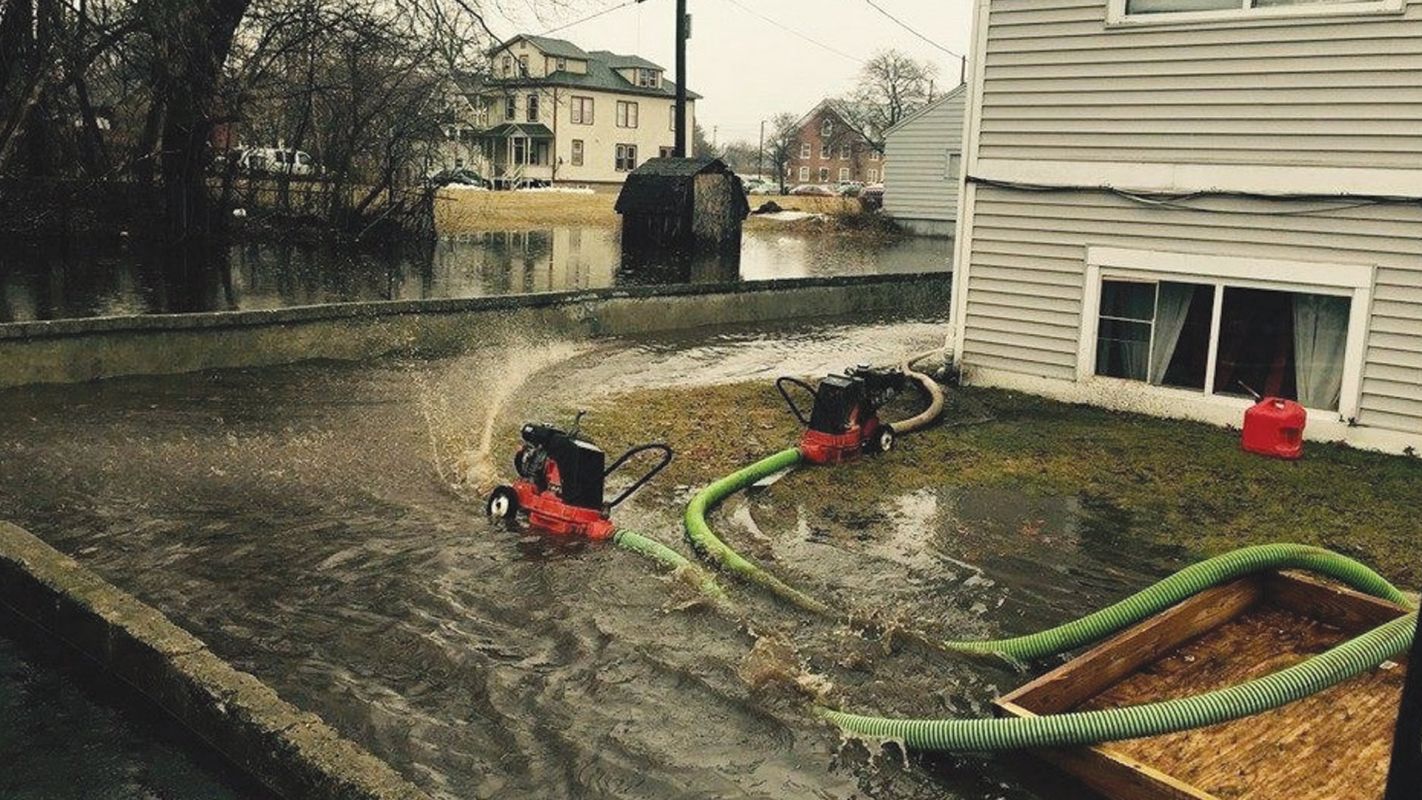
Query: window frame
{"type": "Point", "coordinates": [532, 107]}
{"type": "Point", "coordinates": [952, 165]}
{"type": "Point", "coordinates": [804, 174]}
{"type": "Point", "coordinates": [823, 175]}
{"type": "Point", "coordinates": [844, 176]}
{"type": "Point", "coordinates": [578, 112]}
{"type": "Point", "coordinates": [1354, 281]}
{"type": "Point", "coordinates": [805, 151]}
{"type": "Point", "coordinates": [1117, 16]}
{"type": "Point", "coordinates": [826, 151]}
{"type": "Point", "coordinates": [627, 115]}
{"type": "Point", "coordinates": [826, 127]}
{"type": "Point", "coordinates": [624, 157]}
{"type": "Point", "coordinates": [578, 152]}
{"type": "Point", "coordinates": [560, 64]}
{"type": "Point", "coordinates": [511, 108]}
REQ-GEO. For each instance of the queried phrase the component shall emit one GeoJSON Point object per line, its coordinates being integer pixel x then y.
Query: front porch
{"type": "Point", "coordinates": [519, 154]}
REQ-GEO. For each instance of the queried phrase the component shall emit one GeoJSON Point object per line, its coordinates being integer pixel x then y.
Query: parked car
{"type": "Point", "coordinates": [851, 188]}
{"type": "Point", "coordinates": [814, 190]}
{"type": "Point", "coordinates": [765, 187]}
{"type": "Point", "coordinates": [459, 176]}
{"type": "Point", "coordinates": [871, 197]}
{"type": "Point", "coordinates": [277, 161]}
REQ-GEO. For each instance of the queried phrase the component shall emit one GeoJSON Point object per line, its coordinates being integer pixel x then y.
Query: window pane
{"type": "Point", "coordinates": [1181, 349]}
{"type": "Point", "coordinates": [1283, 344]}
{"type": "Point", "coordinates": [1169, 6]}
{"type": "Point", "coordinates": [1128, 300]}
{"type": "Point", "coordinates": [1123, 349]}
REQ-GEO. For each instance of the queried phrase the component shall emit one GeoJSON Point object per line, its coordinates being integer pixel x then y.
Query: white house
{"type": "Point", "coordinates": [1166, 200]}
{"type": "Point", "coordinates": [926, 148]}
{"type": "Point", "coordinates": [553, 112]}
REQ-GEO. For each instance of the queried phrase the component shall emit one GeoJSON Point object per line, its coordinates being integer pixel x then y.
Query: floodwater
{"type": "Point", "coordinates": [44, 282]}
{"type": "Point", "coordinates": [299, 521]}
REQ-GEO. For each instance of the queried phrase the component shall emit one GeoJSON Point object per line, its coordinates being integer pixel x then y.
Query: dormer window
{"type": "Point", "coordinates": [827, 127]}
{"type": "Point", "coordinates": [507, 66]}
{"type": "Point", "coordinates": [562, 64]}
{"type": "Point", "coordinates": [649, 78]}
{"type": "Point", "coordinates": [523, 66]}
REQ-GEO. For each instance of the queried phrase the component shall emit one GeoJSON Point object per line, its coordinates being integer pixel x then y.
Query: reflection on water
{"type": "Point", "coordinates": [38, 282]}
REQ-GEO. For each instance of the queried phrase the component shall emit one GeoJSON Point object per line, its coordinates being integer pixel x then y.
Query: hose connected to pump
{"type": "Point", "coordinates": [1256, 696]}
{"type": "Point", "coordinates": [655, 550]}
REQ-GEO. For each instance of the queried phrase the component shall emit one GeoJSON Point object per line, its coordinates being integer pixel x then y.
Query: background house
{"type": "Point", "coordinates": [553, 112]}
{"type": "Point", "coordinates": [1162, 204]}
{"type": "Point", "coordinates": [830, 150]}
{"type": "Point", "coordinates": [926, 148]}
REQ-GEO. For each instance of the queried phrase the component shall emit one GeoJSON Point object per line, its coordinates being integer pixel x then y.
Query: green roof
{"type": "Point", "coordinates": [602, 70]}
{"type": "Point", "coordinates": [531, 130]}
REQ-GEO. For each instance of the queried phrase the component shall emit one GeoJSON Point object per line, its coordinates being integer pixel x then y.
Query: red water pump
{"type": "Point", "coordinates": [561, 482]}
{"type": "Point", "coordinates": [844, 420]}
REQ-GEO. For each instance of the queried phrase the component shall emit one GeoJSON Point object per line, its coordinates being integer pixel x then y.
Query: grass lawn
{"type": "Point", "coordinates": [1182, 483]}
{"type": "Point", "coordinates": [468, 212]}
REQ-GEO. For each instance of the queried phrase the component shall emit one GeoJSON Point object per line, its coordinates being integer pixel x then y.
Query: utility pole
{"type": "Point", "coordinates": [683, 32]}
{"type": "Point", "coordinates": [760, 157]}
{"type": "Point", "coordinates": [1406, 774]}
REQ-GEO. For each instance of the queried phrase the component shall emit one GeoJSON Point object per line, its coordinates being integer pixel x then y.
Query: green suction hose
{"type": "Point", "coordinates": [1187, 582]}
{"type": "Point", "coordinates": [699, 533]}
{"type": "Point", "coordinates": [1345, 661]}
{"type": "Point", "coordinates": [655, 550]}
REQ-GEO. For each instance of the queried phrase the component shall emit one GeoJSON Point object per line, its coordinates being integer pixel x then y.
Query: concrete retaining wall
{"type": "Point", "coordinates": [292, 752]}
{"type": "Point", "coordinates": [73, 350]}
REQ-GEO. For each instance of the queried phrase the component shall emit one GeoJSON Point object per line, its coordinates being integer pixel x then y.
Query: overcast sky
{"type": "Point", "coordinates": [749, 69]}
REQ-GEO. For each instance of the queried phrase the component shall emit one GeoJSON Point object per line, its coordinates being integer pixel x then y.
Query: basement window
{"type": "Point", "coordinates": [1147, 12]}
{"type": "Point", "coordinates": [1223, 327]}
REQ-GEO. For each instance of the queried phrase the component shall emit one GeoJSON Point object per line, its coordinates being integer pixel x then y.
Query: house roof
{"type": "Point", "coordinates": [839, 111]}
{"type": "Point", "coordinates": [618, 61]}
{"type": "Point", "coordinates": [920, 112]}
{"type": "Point", "coordinates": [531, 130]}
{"type": "Point", "coordinates": [558, 48]}
{"type": "Point", "coordinates": [602, 70]}
{"type": "Point", "coordinates": [665, 185]}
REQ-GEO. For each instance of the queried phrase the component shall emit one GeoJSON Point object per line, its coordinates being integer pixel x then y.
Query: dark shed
{"type": "Point", "coordinates": [682, 205]}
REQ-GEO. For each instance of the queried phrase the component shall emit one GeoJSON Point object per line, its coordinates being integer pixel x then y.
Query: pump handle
{"type": "Point", "coordinates": [780, 384]}
{"type": "Point", "coordinates": [642, 481]}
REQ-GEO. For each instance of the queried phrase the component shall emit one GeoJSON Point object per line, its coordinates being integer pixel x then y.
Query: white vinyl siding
{"type": "Point", "coordinates": [1028, 269]}
{"type": "Point", "coordinates": [1339, 91]}
{"type": "Point", "coordinates": [919, 149]}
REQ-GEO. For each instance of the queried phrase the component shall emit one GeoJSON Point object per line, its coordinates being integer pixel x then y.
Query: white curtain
{"type": "Point", "coordinates": [1320, 338]}
{"type": "Point", "coordinates": [1171, 307]}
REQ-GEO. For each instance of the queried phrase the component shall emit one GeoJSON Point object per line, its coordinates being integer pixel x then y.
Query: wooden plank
{"type": "Point", "coordinates": [1331, 603]}
{"type": "Point", "coordinates": [1113, 774]}
{"type": "Point", "coordinates": [1081, 678]}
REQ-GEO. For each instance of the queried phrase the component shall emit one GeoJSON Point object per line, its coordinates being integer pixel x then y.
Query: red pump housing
{"type": "Point", "coordinates": [1274, 427]}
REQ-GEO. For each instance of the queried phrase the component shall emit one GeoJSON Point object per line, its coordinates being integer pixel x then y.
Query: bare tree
{"type": "Point", "coordinates": [891, 86]}
{"type": "Point", "coordinates": [782, 139]}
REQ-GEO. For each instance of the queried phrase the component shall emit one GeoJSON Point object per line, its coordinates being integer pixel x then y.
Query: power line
{"type": "Point", "coordinates": [910, 28]}
{"type": "Point", "coordinates": [591, 17]}
{"type": "Point", "coordinates": [794, 32]}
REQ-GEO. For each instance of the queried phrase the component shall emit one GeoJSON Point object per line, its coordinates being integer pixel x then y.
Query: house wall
{"type": "Point", "coordinates": [864, 163]}
{"type": "Point", "coordinates": [1027, 272]}
{"type": "Point", "coordinates": [1060, 84]}
{"type": "Point", "coordinates": [600, 139]}
{"type": "Point", "coordinates": [922, 193]}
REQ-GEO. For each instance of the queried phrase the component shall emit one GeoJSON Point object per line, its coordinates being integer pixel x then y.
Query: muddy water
{"type": "Point", "coordinates": [294, 518]}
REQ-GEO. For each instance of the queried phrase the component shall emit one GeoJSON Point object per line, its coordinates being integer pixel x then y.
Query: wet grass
{"type": "Point", "coordinates": [1181, 483]}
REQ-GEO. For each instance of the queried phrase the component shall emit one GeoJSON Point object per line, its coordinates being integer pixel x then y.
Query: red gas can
{"type": "Point", "coordinates": [1274, 427]}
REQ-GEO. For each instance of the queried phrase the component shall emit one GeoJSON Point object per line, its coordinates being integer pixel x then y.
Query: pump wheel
{"type": "Point", "coordinates": [503, 503]}
{"type": "Point", "coordinates": [884, 441]}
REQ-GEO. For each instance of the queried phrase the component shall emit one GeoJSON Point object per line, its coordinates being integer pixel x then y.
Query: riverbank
{"type": "Point", "coordinates": [462, 211]}
{"type": "Point", "coordinates": [1172, 483]}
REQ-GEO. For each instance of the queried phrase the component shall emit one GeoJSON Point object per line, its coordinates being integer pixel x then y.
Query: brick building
{"type": "Point", "coordinates": [831, 150]}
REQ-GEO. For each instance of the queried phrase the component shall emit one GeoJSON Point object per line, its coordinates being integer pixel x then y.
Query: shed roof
{"type": "Point", "coordinates": [665, 185]}
{"type": "Point", "coordinates": [531, 130]}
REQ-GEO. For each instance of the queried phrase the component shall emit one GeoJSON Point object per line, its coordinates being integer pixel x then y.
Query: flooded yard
{"type": "Point", "coordinates": [298, 520]}
{"type": "Point", "coordinates": [53, 283]}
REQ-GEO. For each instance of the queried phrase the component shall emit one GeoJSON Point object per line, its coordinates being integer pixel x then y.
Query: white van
{"type": "Point", "coordinates": [277, 161]}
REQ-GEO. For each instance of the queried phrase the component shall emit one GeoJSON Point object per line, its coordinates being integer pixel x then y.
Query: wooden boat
{"type": "Point", "coordinates": [1332, 746]}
